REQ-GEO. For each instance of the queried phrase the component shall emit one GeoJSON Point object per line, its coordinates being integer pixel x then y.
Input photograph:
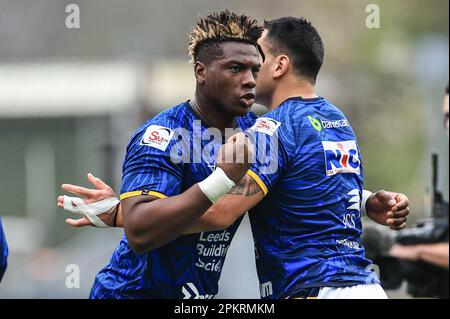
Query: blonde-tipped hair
{"type": "Point", "coordinates": [223, 26]}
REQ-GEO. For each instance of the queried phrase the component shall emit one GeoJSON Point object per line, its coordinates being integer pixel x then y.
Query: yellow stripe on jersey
{"type": "Point", "coordinates": [139, 193]}
{"type": "Point", "coordinates": [258, 181]}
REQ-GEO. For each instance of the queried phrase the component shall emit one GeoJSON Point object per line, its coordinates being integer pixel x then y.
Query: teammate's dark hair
{"type": "Point", "coordinates": [446, 90]}
{"type": "Point", "coordinates": [219, 27]}
{"type": "Point", "coordinates": [297, 38]}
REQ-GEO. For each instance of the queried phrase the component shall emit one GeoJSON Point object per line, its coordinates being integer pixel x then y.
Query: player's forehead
{"type": "Point", "coordinates": [239, 52]}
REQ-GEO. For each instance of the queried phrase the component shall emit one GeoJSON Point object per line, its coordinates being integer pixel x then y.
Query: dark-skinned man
{"type": "Point", "coordinates": [162, 175]}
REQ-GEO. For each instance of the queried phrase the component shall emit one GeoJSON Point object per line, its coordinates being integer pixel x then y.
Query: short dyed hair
{"type": "Point", "coordinates": [219, 27]}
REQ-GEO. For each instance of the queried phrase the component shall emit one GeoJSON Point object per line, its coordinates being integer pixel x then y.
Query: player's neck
{"type": "Point", "coordinates": [211, 115]}
{"type": "Point", "coordinates": [292, 88]}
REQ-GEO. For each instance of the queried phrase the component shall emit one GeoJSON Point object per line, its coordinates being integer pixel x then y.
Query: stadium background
{"type": "Point", "coordinates": [71, 98]}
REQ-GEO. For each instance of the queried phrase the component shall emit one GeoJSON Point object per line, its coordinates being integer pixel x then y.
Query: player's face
{"type": "Point", "coordinates": [446, 112]}
{"type": "Point", "coordinates": [265, 86]}
{"type": "Point", "coordinates": [231, 78]}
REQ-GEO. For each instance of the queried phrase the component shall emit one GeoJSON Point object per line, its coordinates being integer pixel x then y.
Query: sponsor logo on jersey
{"type": "Point", "coordinates": [348, 243]}
{"type": "Point", "coordinates": [157, 136]}
{"type": "Point", "coordinates": [191, 292]}
{"type": "Point", "coordinates": [212, 248]}
{"type": "Point", "coordinates": [319, 125]}
{"type": "Point", "coordinates": [265, 125]}
{"type": "Point", "coordinates": [353, 213]}
{"type": "Point", "coordinates": [355, 200]}
{"type": "Point", "coordinates": [341, 157]}
{"type": "Point", "coordinates": [315, 123]}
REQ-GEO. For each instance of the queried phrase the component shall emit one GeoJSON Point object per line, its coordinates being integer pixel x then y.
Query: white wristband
{"type": "Point", "coordinates": [365, 196]}
{"type": "Point", "coordinates": [216, 185]}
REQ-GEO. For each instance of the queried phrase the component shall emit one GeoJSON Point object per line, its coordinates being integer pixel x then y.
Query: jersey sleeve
{"type": "Point", "coordinates": [148, 168]}
{"type": "Point", "coordinates": [273, 144]}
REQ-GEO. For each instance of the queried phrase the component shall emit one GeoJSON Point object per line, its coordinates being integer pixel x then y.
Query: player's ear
{"type": "Point", "coordinates": [282, 64]}
{"type": "Point", "coordinates": [200, 72]}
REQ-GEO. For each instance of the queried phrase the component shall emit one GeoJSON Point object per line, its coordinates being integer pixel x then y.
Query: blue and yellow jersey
{"type": "Point", "coordinates": [307, 229]}
{"type": "Point", "coordinates": [3, 252]}
{"type": "Point", "coordinates": [167, 155]}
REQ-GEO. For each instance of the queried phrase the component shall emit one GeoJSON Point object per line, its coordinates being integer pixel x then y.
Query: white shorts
{"type": "Point", "coordinates": [373, 291]}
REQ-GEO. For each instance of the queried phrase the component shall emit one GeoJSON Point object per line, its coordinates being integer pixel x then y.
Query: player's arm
{"type": "Point", "coordinates": [151, 222]}
{"type": "Point", "coordinates": [244, 196]}
{"type": "Point", "coordinates": [385, 208]}
{"type": "Point", "coordinates": [225, 211]}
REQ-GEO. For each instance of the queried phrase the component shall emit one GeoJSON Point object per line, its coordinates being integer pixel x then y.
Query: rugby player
{"type": "Point", "coordinates": [253, 188]}
{"type": "Point", "coordinates": [160, 198]}
{"type": "Point", "coordinates": [307, 229]}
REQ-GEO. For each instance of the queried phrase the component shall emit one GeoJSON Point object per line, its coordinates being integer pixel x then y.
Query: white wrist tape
{"type": "Point", "coordinates": [365, 196]}
{"type": "Point", "coordinates": [77, 205]}
{"type": "Point", "coordinates": [216, 185]}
